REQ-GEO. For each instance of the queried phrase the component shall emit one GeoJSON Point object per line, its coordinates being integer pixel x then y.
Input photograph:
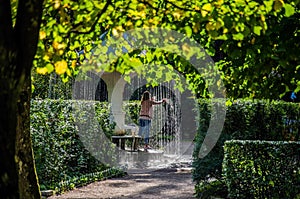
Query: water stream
{"type": "Point", "coordinates": [169, 140]}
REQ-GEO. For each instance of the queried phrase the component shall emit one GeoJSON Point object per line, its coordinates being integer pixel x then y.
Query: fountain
{"type": "Point", "coordinates": [166, 129]}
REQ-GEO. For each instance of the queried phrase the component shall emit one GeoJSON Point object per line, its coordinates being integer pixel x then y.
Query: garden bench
{"type": "Point", "coordinates": [120, 141]}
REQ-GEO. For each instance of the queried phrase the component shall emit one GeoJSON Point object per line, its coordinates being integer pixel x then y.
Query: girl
{"type": "Point", "coordinates": [146, 114]}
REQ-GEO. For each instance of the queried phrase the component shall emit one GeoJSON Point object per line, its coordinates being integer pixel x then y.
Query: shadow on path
{"type": "Point", "coordinates": [153, 184]}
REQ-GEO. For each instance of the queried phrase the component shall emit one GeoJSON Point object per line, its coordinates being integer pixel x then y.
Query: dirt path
{"type": "Point", "coordinates": [153, 184]}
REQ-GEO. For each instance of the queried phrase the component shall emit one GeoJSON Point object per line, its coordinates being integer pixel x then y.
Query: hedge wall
{"type": "Point", "coordinates": [59, 153]}
{"type": "Point", "coordinates": [262, 169]}
{"type": "Point", "coordinates": [245, 120]}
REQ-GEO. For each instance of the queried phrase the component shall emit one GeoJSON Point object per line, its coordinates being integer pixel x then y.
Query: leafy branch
{"type": "Point", "coordinates": [92, 28]}
{"type": "Point", "coordinates": [181, 8]}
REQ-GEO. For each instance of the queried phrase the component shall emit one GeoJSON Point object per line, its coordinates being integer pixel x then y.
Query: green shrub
{"type": "Point", "coordinates": [132, 110]}
{"type": "Point", "coordinates": [262, 169]}
{"type": "Point", "coordinates": [88, 178]}
{"type": "Point", "coordinates": [59, 152]}
{"type": "Point", "coordinates": [211, 189]}
{"type": "Point", "coordinates": [245, 120]}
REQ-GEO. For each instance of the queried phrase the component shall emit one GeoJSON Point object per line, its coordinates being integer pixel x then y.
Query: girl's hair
{"type": "Point", "coordinates": [146, 96]}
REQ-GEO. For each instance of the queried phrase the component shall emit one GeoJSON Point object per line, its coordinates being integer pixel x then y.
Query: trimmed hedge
{"type": "Point", "coordinates": [59, 153]}
{"type": "Point", "coordinates": [245, 120]}
{"type": "Point", "coordinates": [262, 169]}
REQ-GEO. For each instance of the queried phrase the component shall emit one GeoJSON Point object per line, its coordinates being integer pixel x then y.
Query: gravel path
{"type": "Point", "coordinates": [164, 183]}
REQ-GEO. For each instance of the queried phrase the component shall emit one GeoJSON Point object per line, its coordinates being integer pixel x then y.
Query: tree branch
{"type": "Point", "coordinates": [6, 29]}
{"type": "Point", "coordinates": [149, 4]}
{"type": "Point", "coordinates": [95, 22]}
{"type": "Point", "coordinates": [5, 19]}
{"type": "Point", "coordinates": [28, 21]}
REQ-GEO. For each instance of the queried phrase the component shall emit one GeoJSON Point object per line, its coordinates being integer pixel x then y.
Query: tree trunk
{"type": "Point", "coordinates": [28, 183]}
{"type": "Point", "coordinates": [17, 170]}
{"type": "Point", "coordinates": [18, 45]}
{"type": "Point", "coordinates": [8, 123]}
{"type": "Point", "coordinates": [8, 106]}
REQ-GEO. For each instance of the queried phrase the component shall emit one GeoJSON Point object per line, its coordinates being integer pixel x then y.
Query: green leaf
{"type": "Point", "coordinates": [159, 74]}
{"type": "Point", "coordinates": [269, 5]}
{"type": "Point", "coordinates": [252, 4]}
{"type": "Point", "coordinates": [238, 36]}
{"type": "Point", "coordinates": [240, 2]}
{"type": "Point", "coordinates": [188, 31]}
{"type": "Point", "coordinates": [138, 23]}
{"type": "Point", "coordinates": [289, 10]}
{"type": "Point", "coordinates": [61, 28]}
{"type": "Point", "coordinates": [127, 78]}
{"type": "Point", "coordinates": [50, 68]}
{"type": "Point", "coordinates": [76, 45]}
{"type": "Point", "coordinates": [222, 37]}
{"type": "Point", "coordinates": [98, 5]}
{"type": "Point", "coordinates": [298, 87]}
{"type": "Point", "coordinates": [168, 76]}
{"type": "Point", "coordinates": [257, 30]}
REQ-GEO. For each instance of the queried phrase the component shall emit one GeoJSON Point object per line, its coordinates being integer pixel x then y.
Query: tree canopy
{"type": "Point", "coordinates": [254, 43]}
